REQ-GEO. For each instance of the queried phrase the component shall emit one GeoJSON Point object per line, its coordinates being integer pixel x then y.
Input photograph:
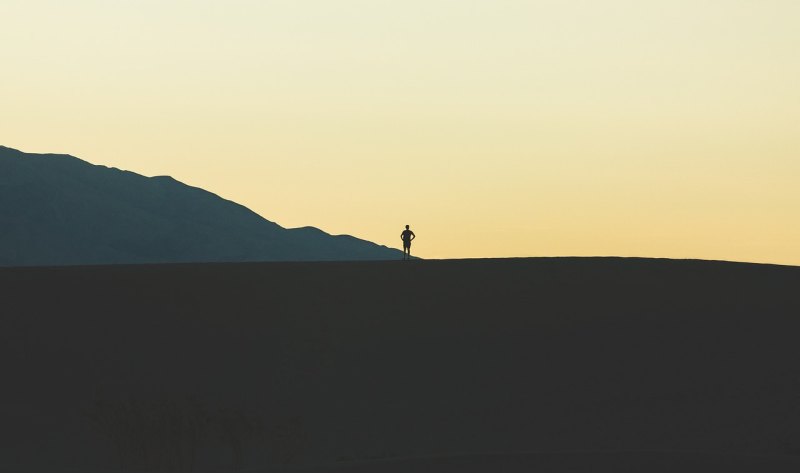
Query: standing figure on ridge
{"type": "Point", "coordinates": [407, 236]}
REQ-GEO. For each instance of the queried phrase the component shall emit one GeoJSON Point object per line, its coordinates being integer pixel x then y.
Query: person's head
{"type": "Point", "coordinates": [406, 227]}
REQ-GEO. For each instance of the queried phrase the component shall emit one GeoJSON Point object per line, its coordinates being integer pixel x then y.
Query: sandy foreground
{"type": "Point", "coordinates": [595, 364]}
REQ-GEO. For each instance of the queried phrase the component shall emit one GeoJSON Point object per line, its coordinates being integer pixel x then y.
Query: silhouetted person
{"type": "Point", "coordinates": [407, 236]}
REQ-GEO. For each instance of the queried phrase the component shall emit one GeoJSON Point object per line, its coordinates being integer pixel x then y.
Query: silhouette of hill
{"type": "Point", "coordinates": [579, 365]}
{"type": "Point", "coordinates": [59, 210]}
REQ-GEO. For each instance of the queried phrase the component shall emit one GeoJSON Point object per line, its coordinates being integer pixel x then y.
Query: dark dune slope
{"type": "Point", "coordinates": [572, 462]}
{"type": "Point", "coordinates": [223, 366]}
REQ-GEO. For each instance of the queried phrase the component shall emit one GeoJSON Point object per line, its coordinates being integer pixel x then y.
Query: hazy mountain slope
{"type": "Point", "coordinates": [57, 209]}
{"type": "Point", "coordinates": [384, 367]}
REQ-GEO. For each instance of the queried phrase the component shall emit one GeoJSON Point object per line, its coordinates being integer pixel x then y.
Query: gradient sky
{"type": "Point", "coordinates": [493, 127]}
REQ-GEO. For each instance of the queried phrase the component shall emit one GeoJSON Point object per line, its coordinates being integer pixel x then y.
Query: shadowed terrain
{"type": "Point", "coordinates": [566, 364]}
{"type": "Point", "coordinates": [58, 210]}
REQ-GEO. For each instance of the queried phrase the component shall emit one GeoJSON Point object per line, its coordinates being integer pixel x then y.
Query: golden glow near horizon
{"type": "Point", "coordinates": [492, 127]}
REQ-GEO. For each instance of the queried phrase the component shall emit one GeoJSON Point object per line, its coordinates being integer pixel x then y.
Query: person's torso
{"type": "Point", "coordinates": [407, 235]}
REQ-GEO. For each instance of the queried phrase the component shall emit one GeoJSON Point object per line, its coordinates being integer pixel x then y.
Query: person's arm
{"type": "Point", "coordinates": [413, 236]}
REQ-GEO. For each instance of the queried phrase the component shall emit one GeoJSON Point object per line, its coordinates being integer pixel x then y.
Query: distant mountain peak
{"type": "Point", "coordinates": [63, 210]}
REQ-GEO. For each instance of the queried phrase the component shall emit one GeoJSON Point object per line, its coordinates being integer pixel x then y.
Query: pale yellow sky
{"type": "Point", "coordinates": [492, 127]}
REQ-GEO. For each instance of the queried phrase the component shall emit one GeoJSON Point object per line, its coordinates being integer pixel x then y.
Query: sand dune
{"type": "Point", "coordinates": [573, 462]}
{"type": "Point", "coordinates": [401, 366]}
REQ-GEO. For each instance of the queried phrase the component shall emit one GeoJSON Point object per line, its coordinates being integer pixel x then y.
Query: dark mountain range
{"type": "Point", "coordinates": [59, 210]}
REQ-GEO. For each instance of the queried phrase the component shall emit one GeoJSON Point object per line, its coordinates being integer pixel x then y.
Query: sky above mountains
{"type": "Point", "coordinates": [493, 128]}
